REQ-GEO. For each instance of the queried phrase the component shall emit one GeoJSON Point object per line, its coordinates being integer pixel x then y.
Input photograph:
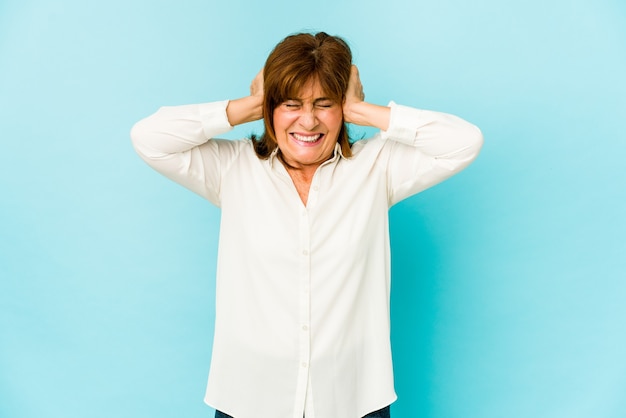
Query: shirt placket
{"type": "Point", "coordinates": [305, 393]}
{"type": "Point", "coordinates": [304, 314]}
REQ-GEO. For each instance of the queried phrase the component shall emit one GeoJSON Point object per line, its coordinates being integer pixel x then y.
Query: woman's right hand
{"type": "Point", "coordinates": [250, 108]}
{"type": "Point", "coordinates": [256, 87]}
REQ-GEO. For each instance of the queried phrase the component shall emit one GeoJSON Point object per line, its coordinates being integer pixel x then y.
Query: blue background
{"type": "Point", "coordinates": [509, 279]}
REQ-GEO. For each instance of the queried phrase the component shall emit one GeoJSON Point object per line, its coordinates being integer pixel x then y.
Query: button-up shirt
{"type": "Point", "coordinates": [302, 291]}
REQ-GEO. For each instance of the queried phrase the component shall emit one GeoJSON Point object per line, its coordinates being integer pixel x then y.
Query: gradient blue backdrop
{"type": "Point", "coordinates": [509, 279]}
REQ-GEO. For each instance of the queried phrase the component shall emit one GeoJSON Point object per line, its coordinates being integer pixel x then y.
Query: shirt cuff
{"type": "Point", "coordinates": [404, 123]}
{"type": "Point", "coordinates": [214, 119]}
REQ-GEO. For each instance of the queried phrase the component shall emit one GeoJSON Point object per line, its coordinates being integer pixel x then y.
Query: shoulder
{"type": "Point", "coordinates": [367, 146]}
{"type": "Point", "coordinates": [234, 144]}
{"type": "Point", "coordinates": [225, 152]}
{"type": "Point", "coordinates": [235, 152]}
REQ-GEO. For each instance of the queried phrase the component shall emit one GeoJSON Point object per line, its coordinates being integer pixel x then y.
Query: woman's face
{"type": "Point", "coordinates": [307, 127]}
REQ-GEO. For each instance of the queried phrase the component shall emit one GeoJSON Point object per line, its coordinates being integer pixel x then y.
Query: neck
{"type": "Point", "coordinates": [302, 171]}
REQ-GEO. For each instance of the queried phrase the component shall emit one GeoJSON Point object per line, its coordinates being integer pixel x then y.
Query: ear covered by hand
{"type": "Point", "coordinates": [355, 88]}
{"type": "Point", "coordinates": [256, 87]}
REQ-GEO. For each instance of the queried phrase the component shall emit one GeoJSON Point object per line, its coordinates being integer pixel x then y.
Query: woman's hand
{"type": "Point", "coordinates": [357, 111]}
{"type": "Point", "coordinates": [256, 87]}
{"type": "Point", "coordinates": [354, 94]}
{"type": "Point", "coordinates": [250, 108]}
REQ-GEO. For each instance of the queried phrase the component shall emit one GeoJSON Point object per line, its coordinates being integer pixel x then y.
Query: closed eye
{"type": "Point", "coordinates": [325, 104]}
{"type": "Point", "coordinates": [292, 105]}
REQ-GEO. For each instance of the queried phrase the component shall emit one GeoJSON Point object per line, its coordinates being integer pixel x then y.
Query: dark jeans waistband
{"type": "Point", "coordinates": [381, 413]}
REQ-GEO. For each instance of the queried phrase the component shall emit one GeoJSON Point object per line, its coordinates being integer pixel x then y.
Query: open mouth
{"type": "Point", "coordinates": [307, 139]}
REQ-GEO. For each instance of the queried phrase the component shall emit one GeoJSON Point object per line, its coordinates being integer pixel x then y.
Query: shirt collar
{"type": "Point", "coordinates": [337, 153]}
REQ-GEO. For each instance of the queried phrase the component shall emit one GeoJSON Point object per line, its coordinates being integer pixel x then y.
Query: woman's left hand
{"type": "Point", "coordinates": [359, 112]}
{"type": "Point", "coordinates": [354, 94]}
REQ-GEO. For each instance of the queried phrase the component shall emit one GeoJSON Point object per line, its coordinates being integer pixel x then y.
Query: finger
{"type": "Point", "coordinates": [355, 80]}
{"type": "Point", "coordinates": [256, 87]}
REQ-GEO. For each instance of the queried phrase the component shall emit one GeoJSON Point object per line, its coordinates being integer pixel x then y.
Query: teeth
{"type": "Point", "coordinates": [306, 138]}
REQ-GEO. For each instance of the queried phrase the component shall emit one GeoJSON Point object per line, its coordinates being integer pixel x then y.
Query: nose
{"type": "Point", "coordinates": [308, 119]}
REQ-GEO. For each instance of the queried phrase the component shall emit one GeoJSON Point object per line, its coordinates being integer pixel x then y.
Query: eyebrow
{"type": "Point", "coordinates": [319, 99]}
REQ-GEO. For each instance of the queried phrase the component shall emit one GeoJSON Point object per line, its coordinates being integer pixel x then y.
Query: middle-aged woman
{"type": "Point", "coordinates": [303, 273]}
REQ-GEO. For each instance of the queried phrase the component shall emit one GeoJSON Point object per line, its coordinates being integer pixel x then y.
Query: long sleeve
{"type": "Point", "coordinates": [177, 141]}
{"type": "Point", "coordinates": [425, 148]}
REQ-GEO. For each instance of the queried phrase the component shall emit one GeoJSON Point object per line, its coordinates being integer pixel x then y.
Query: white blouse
{"type": "Point", "coordinates": [302, 298]}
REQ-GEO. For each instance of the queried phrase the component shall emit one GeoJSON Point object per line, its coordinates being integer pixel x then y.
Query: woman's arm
{"type": "Point", "coordinates": [178, 141]}
{"type": "Point", "coordinates": [422, 147]}
{"type": "Point", "coordinates": [174, 129]}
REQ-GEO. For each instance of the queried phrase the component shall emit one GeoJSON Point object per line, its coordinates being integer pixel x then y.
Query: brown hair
{"type": "Point", "coordinates": [294, 61]}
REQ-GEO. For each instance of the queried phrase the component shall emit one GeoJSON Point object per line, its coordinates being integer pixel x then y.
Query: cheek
{"type": "Point", "coordinates": [334, 120]}
{"type": "Point", "coordinates": [283, 120]}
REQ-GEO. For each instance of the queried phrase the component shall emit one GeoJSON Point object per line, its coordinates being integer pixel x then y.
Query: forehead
{"type": "Point", "coordinates": [311, 90]}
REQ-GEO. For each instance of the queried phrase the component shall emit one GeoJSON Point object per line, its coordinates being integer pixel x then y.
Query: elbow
{"type": "Point", "coordinates": [137, 134]}
{"type": "Point", "coordinates": [140, 137]}
{"type": "Point", "coordinates": [472, 143]}
{"type": "Point", "coordinates": [475, 140]}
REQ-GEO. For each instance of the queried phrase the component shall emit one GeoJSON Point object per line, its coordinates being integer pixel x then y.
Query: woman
{"type": "Point", "coordinates": [303, 275]}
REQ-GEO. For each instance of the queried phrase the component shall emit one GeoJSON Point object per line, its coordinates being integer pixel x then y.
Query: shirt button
{"type": "Point", "coordinates": [315, 188]}
{"type": "Point", "coordinates": [304, 364]}
{"type": "Point", "coordinates": [305, 252]}
{"type": "Point", "coordinates": [305, 328]}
